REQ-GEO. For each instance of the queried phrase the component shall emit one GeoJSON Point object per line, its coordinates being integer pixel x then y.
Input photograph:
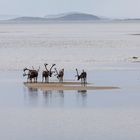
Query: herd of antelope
{"type": "Point", "coordinates": [32, 74]}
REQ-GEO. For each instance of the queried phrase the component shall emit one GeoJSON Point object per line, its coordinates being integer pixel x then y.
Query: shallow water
{"type": "Point", "coordinates": [15, 94]}
{"type": "Point", "coordinates": [98, 114]}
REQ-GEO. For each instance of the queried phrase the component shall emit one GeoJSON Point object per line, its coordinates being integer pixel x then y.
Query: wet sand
{"type": "Point", "coordinates": [67, 86]}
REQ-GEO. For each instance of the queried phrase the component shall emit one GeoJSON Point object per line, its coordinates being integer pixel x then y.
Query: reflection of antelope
{"type": "Point", "coordinates": [46, 73]}
{"type": "Point", "coordinates": [82, 76]}
{"type": "Point", "coordinates": [32, 74]}
{"type": "Point", "coordinates": [60, 75]}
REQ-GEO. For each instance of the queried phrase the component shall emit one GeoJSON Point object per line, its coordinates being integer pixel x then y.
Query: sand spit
{"type": "Point", "coordinates": [67, 86]}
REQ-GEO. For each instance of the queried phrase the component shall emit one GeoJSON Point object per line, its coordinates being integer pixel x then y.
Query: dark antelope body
{"type": "Point", "coordinates": [60, 75]}
{"type": "Point", "coordinates": [82, 76]}
{"type": "Point", "coordinates": [47, 73]}
{"type": "Point", "coordinates": [32, 74]}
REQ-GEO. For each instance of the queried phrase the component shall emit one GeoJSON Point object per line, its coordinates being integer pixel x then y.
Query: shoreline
{"type": "Point", "coordinates": [67, 86]}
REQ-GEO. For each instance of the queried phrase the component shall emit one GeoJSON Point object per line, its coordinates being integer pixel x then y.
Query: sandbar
{"type": "Point", "coordinates": [67, 86]}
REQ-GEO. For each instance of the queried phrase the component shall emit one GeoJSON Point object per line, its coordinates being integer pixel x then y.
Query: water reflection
{"type": "Point", "coordinates": [33, 90]}
{"type": "Point", "coordinates": [53, 98]}
{"type": "Point", "coordinates": [82, 98]}
{"type": "Point", "coordinates": [83, 92]}
{"type": "Point", "coordinates": [58, 98]}
{"type": "Point", "coordinates": [31, 96]}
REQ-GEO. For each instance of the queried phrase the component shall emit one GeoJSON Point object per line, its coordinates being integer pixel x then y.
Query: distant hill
{"type": "Point", "coordinates": [29, 19]}
{"type": "Point", "coordinates": [73, 16]}
{"type": "Point", "coordinates": [62, 17]}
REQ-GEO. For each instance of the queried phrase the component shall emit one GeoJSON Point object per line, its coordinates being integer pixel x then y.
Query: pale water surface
{"type": "Point", "coordinates": [105, 50]}
{"type": "Point", "coordinates": [70, 45]}
{"type": "Point", "coordinates": [107, 114]}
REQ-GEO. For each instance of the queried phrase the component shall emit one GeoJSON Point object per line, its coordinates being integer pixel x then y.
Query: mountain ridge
{"type": "Point", "coordinates": [63, 17]}
{"type": "Point", "coordinates": [73, 16]}
{"type": "Point", "coordinates": [67, 17]}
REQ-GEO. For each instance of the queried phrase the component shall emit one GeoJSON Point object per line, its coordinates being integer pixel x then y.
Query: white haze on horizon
{"type": "Point", "coordinates": [107, 8]}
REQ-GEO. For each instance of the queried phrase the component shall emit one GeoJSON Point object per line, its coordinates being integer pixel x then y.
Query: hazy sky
{"type": "Point", "coordinates": [108, 8]}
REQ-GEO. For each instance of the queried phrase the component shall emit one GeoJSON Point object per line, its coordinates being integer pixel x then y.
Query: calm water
{"type": "Point", "coordinates": [107, 114]}
{"type": "Point", "coordinates": [105, 50]}
{"type": "Point", "coordinates": [15, 94]}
